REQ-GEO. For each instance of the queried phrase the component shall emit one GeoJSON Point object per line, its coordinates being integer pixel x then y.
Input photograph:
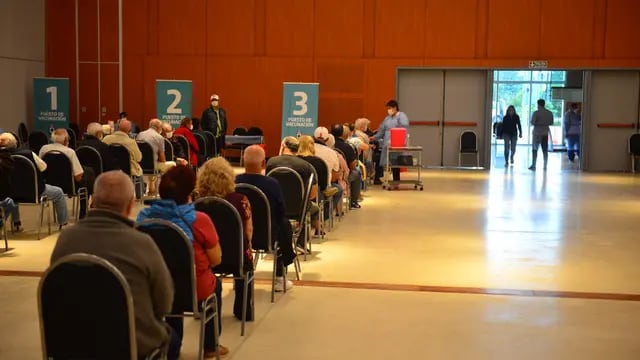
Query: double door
{"type": "Point", "coordinates": [441, 104]}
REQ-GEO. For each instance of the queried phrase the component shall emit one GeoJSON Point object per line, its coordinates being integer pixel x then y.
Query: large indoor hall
{"type": "Point", "coordinates": [479, 265]}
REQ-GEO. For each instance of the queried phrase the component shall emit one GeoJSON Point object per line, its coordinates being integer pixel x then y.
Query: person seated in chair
{"type": "Point", "coordinates": [83, 176]}
{"type": "Point", "coordinates": [121, 137]}
{"type": "Point", "coordinates": [93, 139]}
{"type": "Point", "coordinates": [6, 203]}
{"type": "Point", "coordinates": [53, 193]}
{"type": "Point", "coordinates": [355, 177]}
{"type": "Point", "coordinates": [216, 178]}
{"type": "Point", "coordinates": [254, 164]}
{"type": "Point", "coordinates": [178, 152]}
{"type": "Point", "coordinates": [186, 130]}
{"type": "Point", "coordinates": [108, 233]}
{"type": "Point", "coordinates": [175, 205]}
{"type": "Point", "coordinates": [153, 137]}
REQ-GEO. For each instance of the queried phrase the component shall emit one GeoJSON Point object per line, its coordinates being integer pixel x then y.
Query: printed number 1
{"type": "Point", "coordinates": [54, 97]}
{"type": "Point", "coordinates": [302, 103]}
{"type": "Point", "coordinates": [172, 109]}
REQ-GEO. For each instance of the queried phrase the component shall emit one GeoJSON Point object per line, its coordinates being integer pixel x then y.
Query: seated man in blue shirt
{"type": "Point", "coordinates": [254, 164]}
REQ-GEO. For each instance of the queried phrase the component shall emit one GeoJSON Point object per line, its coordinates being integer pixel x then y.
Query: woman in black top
{"type": "Point", "coordinates": [509, 133]}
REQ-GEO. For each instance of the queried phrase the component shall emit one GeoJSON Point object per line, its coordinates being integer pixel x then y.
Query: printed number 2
{"type": "Point", "coordinates": [302, 103]}
{"type": "Point", "coordinates": [54, 97]}
{"type": "Point", "coordinates": [172, 109]}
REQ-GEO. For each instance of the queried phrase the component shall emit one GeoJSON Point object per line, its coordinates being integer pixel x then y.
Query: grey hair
{"type": "Point", "coordinates": [7, 140]}
{"type": "Point", "coordinates": [60, 136]}
{"type": "Point", "coordinates": [362, 123]}
{"type": "Point", "coordinates": [94, 128]}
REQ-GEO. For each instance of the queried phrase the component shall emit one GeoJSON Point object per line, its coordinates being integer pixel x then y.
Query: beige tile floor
{"type": "Point", "coordinates": [511, 229]}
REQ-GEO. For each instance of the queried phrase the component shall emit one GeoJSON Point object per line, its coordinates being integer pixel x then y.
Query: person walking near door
{"type": "Point", "coordinates": [511, 130]}
{"type": "Point", "coordinates": [541, 120]}
{"type": "Point", "coordinates": [572, 130]}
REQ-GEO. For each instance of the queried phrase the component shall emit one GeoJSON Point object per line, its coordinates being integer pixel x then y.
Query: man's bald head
{"type": "Point", "coordinates": [156, 125]}
{"type": "Point", "coordinates": [113, 190]}
{"type": "Point", "coordinates": [124, 126]}
{"type": "Point", "coordinates": [253, 158]}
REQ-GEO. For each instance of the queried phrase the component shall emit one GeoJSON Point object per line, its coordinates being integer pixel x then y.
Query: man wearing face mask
{"type": "Point", "coordinates": [395, 119]}
{"type": "Point", "coordinates": [214, 119]}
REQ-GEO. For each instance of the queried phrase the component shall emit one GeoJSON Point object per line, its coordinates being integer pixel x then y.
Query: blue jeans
{"type": "Point", "coordinates": [10, 209]}
{"type": "Point", "coordinates": [355, 181]}
{"type": "Point", "coordinates": [510, 141]}
{"type": "Point", "coordinates": [56, 195]}
{"type": "Point", "coordinates": [573, 146]}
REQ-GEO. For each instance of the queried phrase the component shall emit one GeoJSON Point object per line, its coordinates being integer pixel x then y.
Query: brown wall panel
{"type": "Point", "coordinates": [133, 84]}
{"type": "Point", "coordinates": [399, 28]}
{"type": "Point", "coordinates": [231, 29]}
{"type": "Point", "coordinates": [289, 29]}
{"type": "Point", "coordinates": [109, 30]}
{"type": "Point", "coordinates": [109, 92]}
{"type": "Point", "coordinates": [341, 76]}
{"type": "Point", "coordinates": [450, 31]}
{"type": "Point", "coordinates": [339, 25]}
{"type": "Point", "coordinates": [514, 29]}
{"type": "Point", "coordinates": [623, 19]}
{"type": "Point", "coordinates": [88, 30]}
{"type": "Point", "coordinates": [567, 28]}
{"type": "Point", "coordinates": [135, 20]}
{"type": "Point", "coordinates": [181, 27]}
{"type": "Point", "coordinates": [89, 106]}
{"type": "Point", "coordinates": [339, 110]}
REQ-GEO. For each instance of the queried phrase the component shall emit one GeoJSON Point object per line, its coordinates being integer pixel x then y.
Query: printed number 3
{"type": "Point", "coordinates": [172, 109]}
{"type": "Point", "coordinates": [302, 103]}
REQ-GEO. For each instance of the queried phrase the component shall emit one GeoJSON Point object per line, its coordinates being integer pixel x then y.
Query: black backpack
{"type": "Point", "coordinates": [6, 166]}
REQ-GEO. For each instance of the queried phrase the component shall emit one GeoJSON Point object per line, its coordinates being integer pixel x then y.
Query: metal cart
{"type": "Point", "coordinates": [416, 151]}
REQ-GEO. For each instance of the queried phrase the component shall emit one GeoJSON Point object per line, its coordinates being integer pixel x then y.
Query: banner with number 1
{"type": "Point", "coordinates": [50, 104]}
{"type": "Point", "coordinates": [299, 109]}
{"type": "Point", "coordinates": [173, 101]}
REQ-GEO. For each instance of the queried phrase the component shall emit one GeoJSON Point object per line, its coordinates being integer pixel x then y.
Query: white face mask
{"type": "Point", "coordinates": [214, 103]}
{"type": "Point", "coordinates": [190, 127]}
{"type": "Point", "coordinates": [390, 112]}
{"type": "Point", "coordinates": [169, 134]}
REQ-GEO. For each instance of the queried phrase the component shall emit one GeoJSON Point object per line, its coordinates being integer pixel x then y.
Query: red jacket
{"type": "Point", "coordinates": [193, 143]}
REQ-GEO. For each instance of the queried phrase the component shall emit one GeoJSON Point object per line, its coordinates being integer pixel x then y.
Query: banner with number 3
{"type": "Point", "coordinates": [299, 109]}
{"type": "Point", "coordinates": [173, 101]}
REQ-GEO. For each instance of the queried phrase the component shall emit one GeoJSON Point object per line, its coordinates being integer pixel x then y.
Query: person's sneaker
{"type": "Point", "coordinates": [355, 205]}
{"type": "Point", "coordinates": [279, 286]}
{"type": "Point", "coordinates": [212, 354]}
{"type": "Point", "coordinates": [532, 168]}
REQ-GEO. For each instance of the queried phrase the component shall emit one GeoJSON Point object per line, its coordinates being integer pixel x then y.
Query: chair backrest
{"type": "Point", "coordinates": [24, 181]}
{"type": "Point", "coordinates": [240, 131]}
{"type": "Point", "coordinates": [293, 190]}
{"type": "Point", "coordinates": [185, 146]}
{"type": "Point", "coordinates": [468, 141]}
{"type": "Point", "coordinates": [60, 172]}
{"type": "Point", "coordinates": [634, 144]}
{"type": "Point", "coordinates": [211, 143]}
{"type": "Point", "coordinates": [147, 163]}
{"type": "Point", "coordinates": [260, 215]}
{"type": "Point", "coordinates": [202, 144]}
{"type": "Point", "coordinates": [168, 150]}
{"type": "Point", "coordinates": [23, 132]}
{"type": "Point", "coordinates": [19, 142]}
{"type": "Point", "coordinates": [229, 227]}
{"type": "Point", "coordinates": [37, 139]}
{"type": "Point", "coordinates": [321, 171]}
{"type": "Point", "coordinates": [76, 130]}
{"type": "Point", "coordinates": [86, 310]}
{"type": "Point", "coordinates": [177, 252]}
{"type": "Point", "coordinates": [73, 137]}
{"type": "Point", "coordinates": [121, 158]}
{"type": "Point", "coordinates": [6, 167]}
{"type": "Point", "coordinates": [255, 131]}
{"type": "Point", "coordinates": [90, 157]}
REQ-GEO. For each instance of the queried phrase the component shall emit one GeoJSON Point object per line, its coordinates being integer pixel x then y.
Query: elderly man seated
{"type": "Point", "coordinates": [84, 176]}
{"type": "Point", "coordinates": [93, 139]}
{"type": "Point", "coordinates": [53, 193]}
{"type": "Point", "coordinates": [121, 137]}
{"type": "Point", "coordinates": [178, 152]}
{"type": "Point", "coordinates": [153, 137]}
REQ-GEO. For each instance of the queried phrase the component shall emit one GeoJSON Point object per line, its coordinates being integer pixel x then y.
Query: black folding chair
{"type": "Point", "coordinates": [37, 140]}
{"type": "Point", "coordinates": [168, 150]}
{"type": "Point", "coordinates": [122, 161]}
{"type": "Point", "coordinates": [147, 163]}
{"type": "Point", "coordinates": [296, 199]}
{"type": "Point", "coordinates": [27, 187]}
{"type": "Point", "coordinates": [86, 311]}
{"type": "Point", "coordinates": [184, 143]}
{"type": "Point", "coordinates": [202, 145]}
{"type": "Point", "coordinates": [73, 137]}
{"type": "Point", "coordinates": [76, 130]}
{"type": "Point", "coordinates": [60, 173]}
{"type": "Point", "coordinates": [261, 242]}
{"type": "Point", "coordinates": [177, 252]}
{"type": "Point", "coordinates": [211, 144]}
{"type": "Point", "coordinates": [469, 145]}
{"type": "Point", "coordinates": [23, 133]}
{"type": "Point", "coordinates": [634, 149]}
{"type": "Point", "coordinates": [254, 131]}
{"type": "Point", "coordinates": [91, 158]}
{"type": "Point", "coordinates": [230, 234]}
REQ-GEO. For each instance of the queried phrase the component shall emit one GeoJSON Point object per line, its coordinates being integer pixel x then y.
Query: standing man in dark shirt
{"type": "Point", "coordinates": [214, 119]}
{"type": "Point", "coordinates": [355, 178]}
{"type": "Point", "coordinates": [254, 163]}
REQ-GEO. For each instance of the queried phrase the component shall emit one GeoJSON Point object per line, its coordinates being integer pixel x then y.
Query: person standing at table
{"type": "Point", "coordinates": [214, 119]}
{"type": "Point", "coordinates": [395, 119]}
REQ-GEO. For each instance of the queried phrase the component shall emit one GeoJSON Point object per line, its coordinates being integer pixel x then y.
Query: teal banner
{"type": "Point", "coordinates": [50, 104]}
{"type": "Point", "coordinates": [299, 109]}
{"type": "Point", "coordinates": [173, 100]}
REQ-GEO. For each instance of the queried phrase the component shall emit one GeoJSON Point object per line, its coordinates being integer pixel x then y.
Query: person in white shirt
{"type": "Point", "coordinates": [84, 176]}
{"type": "Point", "coordinates": [153, 136]}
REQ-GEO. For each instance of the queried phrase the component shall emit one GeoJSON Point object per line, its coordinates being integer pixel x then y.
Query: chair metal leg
{"type": "Point", "coordinates": [245, 299]}
{"type": "Point", "coordinates": [42, 205]}
{"type": "Point", "coordinates": [273, 275]}
{"type": "Point", "coordinates": [296, 265]}
{"type": "Point", "coordinates": [216, 329]}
